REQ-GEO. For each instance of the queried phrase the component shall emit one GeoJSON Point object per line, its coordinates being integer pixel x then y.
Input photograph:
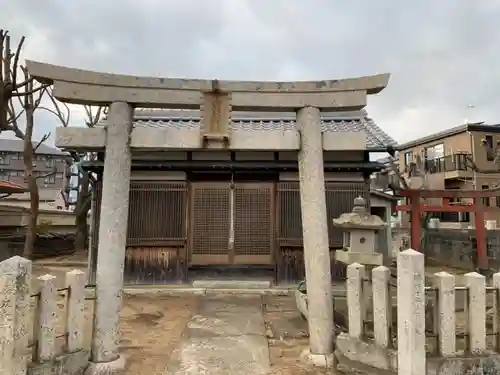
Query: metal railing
{"type": "Point", "coordinates": [449, 163]}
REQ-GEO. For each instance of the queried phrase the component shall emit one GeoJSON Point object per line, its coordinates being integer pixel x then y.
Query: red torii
{"type": "Point", "coordinates": [417, 209]}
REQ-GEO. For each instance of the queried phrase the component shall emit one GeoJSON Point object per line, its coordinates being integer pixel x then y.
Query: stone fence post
{"type": "Point", "coordinates": [355, 299]}
{"type": "Point", "coordinates": [45, 318]}
{"type": "Point", "coordinates": [411, 313]}
{"type": "Point", "coordinates": [75, 311]}
{"type": "Point", "coordinates": [382, 306]}
{"type": "Point", "coordinates": [15, 282]}
{"type": "Point", "coordinates": [444, 313]}
{"type": "Point", "coordinates": [476, 309]}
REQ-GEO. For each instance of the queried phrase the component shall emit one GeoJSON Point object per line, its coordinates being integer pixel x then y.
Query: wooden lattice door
{"type": "Point", "coordinates": [253, 223]}
{"type": "Point", "coordinates": [210, 223]}
{"type": "Point", "coordinates": [232, 225]}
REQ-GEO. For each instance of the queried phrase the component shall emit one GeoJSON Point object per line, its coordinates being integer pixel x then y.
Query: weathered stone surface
{"type": "Point", "coordinates": [236, 355]}
{"type": "Point", "coordinates": [75, 138]}
{"type": "Point", "coordinates": [359, 218]}
{"type": "Point", "coordinates": [476, 284]}
{"type": "Point", "coordinates": [7, 316]}
{"type": "Point", "coordinates": [226, 337]}
{"type": "Point", "coordinates": [279, 304]}
{"type": "Point", "coordinates": [79, 86]}
{"type": "Point", "coordinates": [349, 257]}
{"type": "Point", "coordinates": [366, 353]}
{"type": "Point", "coordinates": [75, 281]}
{"type": "Point", "coordinates": [220, 323]}
{"type": "Point", "coordinates": [115, 367]}
{"type": "Point", "coordinates": [15, 283]}
{"type": "Point", "coordinates": [236, 304]}
{"type": "Point", "coordinates": [411, 312]}
{"type": "Point", "coordinates": [112, 233]}
{"type": "Point", "coordinates": [286, 325]}
{"type": "Point", "coordinates": [356, 306]}
{"type": "Point", "coordinates": [366, 356]}
{"type": "Point", "coordinates": [382, 306]}
{"type": "Point", "coordinates": [67, 364]}
{"type": "Point", "coordinates": [46, 329]}
{"type": "Point", "coordinates": [315, 231]}
{"type": "Point", "coordinates": [488, 364]}
{"type": "Point", "coordinates": [344, 141]}
{"type": "Point", "coordinates": [445, 311]}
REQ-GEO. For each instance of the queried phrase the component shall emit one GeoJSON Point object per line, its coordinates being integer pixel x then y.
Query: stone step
{"type": "Point", "coordinates": [232, 284]}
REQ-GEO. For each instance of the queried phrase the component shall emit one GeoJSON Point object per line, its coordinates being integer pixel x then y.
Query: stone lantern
{"type": "Point", "coordinates": [360, 229]}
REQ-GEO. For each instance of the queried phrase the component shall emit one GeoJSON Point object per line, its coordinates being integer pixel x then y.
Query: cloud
{"type": "Point", "coordinates": [443, 55]}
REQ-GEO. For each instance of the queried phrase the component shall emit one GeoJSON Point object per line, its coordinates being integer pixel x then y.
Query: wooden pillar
{"type": "Point", "coordinates": [416, 214]}
{"type": "Point", "coordinates": [482, 256]}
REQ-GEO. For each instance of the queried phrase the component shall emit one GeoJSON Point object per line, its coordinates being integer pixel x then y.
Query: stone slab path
{"type": "Point", "coordinates": [226, 337]}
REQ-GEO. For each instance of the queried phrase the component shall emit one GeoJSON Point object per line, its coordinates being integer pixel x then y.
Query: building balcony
{"type": "Point", "coordinates": [450, 166]}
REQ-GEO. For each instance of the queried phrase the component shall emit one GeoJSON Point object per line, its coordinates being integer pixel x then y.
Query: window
{"type": "Point", "coordinates": [50, 162]}
{"type": "Point", "coordinates": [486, 200]}
{"type": "Point", "coordinates": [17, 156]}
{"type": "Point", "coordinates": [51, 179]}
{"type": "Point", "coordinates": [434, 152]}
{"type": "Point", "coordinates": [408, 157]}
{"type": "Point", "coordinates": [490, 150]}
{"type": "Point", "coordinates": [4, 175]}
{"type": "Point", "coordinates": [4, 159]}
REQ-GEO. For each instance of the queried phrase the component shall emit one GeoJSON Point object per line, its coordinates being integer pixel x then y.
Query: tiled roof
{"type": "Point", "coordinates": [10, 187]}
{"type": "Point", "coordinates": [357, 121]}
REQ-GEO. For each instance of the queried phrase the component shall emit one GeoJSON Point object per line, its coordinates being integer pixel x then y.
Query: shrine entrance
{"type": "Point", "coordinates": [232, 223]}
{"type": "Point", "coordinates": [249, 235]}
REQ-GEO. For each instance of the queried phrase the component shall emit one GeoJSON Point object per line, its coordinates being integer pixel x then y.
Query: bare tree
{"type": "Point", "coordinates": [85, 179]}
{"type": "Point", "coordinates": [29, 97]}
{"type": "Point", "coordinates": [496, 162]}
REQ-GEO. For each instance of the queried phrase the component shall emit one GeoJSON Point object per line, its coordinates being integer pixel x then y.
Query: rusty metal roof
{"type": "Point", "coordinates": [7, 187]}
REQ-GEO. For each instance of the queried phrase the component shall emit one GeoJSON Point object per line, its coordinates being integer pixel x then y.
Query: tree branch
{"type": "Point", "coordinates": [30, 92]}
{"type": "Point", "coordinates": [57, 111]}
{"type": "Point", "coordinates": [93, 118]}
{"type": "Point", "coordinates": [44, 138]}
{"type": "Point", "coordinates": [46, 175]}
{"type": "Point", "coordinates": [475, 168]}
{"type": "Point", "coordinates": [7, 58]}
{"type": "Point", "coordinates": [2, 51]}
{"type": "Point", "coordinates": [16, 63]}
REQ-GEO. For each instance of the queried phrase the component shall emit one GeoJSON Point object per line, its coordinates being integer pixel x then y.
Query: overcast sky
{"type": "Point", "coordinates": [444, 55]}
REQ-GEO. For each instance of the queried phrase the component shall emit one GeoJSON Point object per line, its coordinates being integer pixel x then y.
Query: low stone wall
{"type": "Point", "coordinates": [30, 321]}
{"type": "Point", "coordinates": [367, 354]}
{"type": "Point", "coordinates": [424, 332]}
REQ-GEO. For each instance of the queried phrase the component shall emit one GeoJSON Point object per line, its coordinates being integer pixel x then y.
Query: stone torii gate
{"type": "Point", "coordinates": [216, 100]}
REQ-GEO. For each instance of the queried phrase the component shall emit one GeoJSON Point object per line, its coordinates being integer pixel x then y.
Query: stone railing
{"type": "Point", "coordinates": [417, 329]}
{"type": "Point", "coordinates": [43, 322]}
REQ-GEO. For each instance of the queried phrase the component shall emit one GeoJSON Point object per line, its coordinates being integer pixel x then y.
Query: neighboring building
{"type": "Point", "coordinates": [439, 162]}
{"type": "Point", "coordinates": [210, 210]}
{"type": "Point", "coordinates": [47, 161]}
